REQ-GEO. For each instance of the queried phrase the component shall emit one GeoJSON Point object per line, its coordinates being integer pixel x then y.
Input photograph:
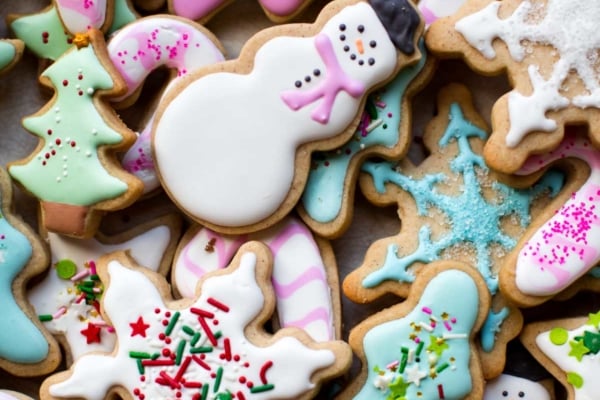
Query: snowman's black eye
{"type": "Point", "coordinates": [316, 72]}
{"type": "Point", "coordinates": [342, 37]}
{"type": "Point", "coordinates": [353, 57]}
{"type": "Point", "coordinates": [346, 48]}
{"type": "Point", "coordinates": [360, 62]}
{"type": "Point", "coordinates": [361, 28]}
{"type": "Point", "coordinates": [371, 61]}
{"type": "Point", "coordinates": [505, 393]}
{"type": "Point", "coordinates": [307, 78]}
{"type": "Point", "coordinates": [521, 394]}
{"type": "Point", "coordinates": [342, 27]}
{"type": "Point", "coordinates": [298, 84]}
{"type": "Point", "coordinates": [373, 44]}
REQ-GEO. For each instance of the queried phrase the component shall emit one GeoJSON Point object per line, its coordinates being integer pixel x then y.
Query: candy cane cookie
{"type": "Point", "coordinates": [144, 46]}
{"type": "Point", "coordinates": [565, 246]}
{"type": "Point", "coordinates": [304, 273]}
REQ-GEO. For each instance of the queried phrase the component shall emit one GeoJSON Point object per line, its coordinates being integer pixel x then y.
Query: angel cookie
{"type": "Point", "coordinates": [74, 171]}
{"type": "Point", "coordinates": [553, 71]}
{"type": "Point", "coordinates": [67, 300]}
{"type": "Point", "coordinates": [245, 129]}
{"type": "Point", "coordinates": [26, 349]}
{"type": "Point", "coordinates": [304, 277]}
{"type": "Point", "coordinates": [424, 347]}
{"type": "Point", "coordinates": [451, 207]}
{"type": "Point", "coordinates": [50, 32]}
{"type": "Point", "coordinates": [383, 130]}
{"type": "Point", "coordinates": [568, 348]}
{"type": "Point", "coordinates": [211, 346]}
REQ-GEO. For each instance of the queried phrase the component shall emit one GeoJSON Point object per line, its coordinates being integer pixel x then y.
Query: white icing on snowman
{"type": "Point", "coordinates": [570, 27]}
{"type": "Point", "coordinates": [225, 146]}
{"type": "Point", "coordinates": [507, 387]}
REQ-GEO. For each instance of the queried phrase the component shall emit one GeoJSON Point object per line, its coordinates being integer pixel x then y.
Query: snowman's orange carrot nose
{"type": "Point", "coordinates": [359, 46]}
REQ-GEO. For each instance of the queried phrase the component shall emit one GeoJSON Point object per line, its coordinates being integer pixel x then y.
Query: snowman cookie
{"type": "Point", "coordinates": [213, 345]}
{"type": "Point", "coordinates": [507, 387]}
{"type": "Point", "coordinates": [232, 142]}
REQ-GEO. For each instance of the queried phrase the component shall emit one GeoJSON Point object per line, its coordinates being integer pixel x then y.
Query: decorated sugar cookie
{"type": "Point", "coordinates": [203, 10]}
{"type": "Point", "coordinates": [74, 171]}
{"type": "Point", "coordinates": [144, 46]}
{"type": "Point", "coordinates": [513, 387]}
{"type": "Point", "coordinates": [424, 347]}
{"type": "Point", "coordinates": [49, 33]}
{"type": "Point", "coordinates": [451, 207]}
{"type": "Point", "coordinates": [304, 273]}
{"type": "Point", "coordinates": [10, 53]}
{"type": "Point", "coordinates": [568, 348]}
{"type": "Point", "coordinates": [553, 71]}
{"type": "Point", "coordinates": [384, 129]}
{"type": "Point", "coordinates": [211, 346]}
{"type": "Point", "coordinates": [563, 246]}
{"type": "Point", "coordinates": [12, 395]}
{"type": "Point", "coordinates": [68, 299]}
{"type": "Point", "coordinates": [26, 349]}
{"type": "Point", "coordinates": [265, 120]}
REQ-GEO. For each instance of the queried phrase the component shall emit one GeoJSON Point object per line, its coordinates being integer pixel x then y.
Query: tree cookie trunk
{"type": "Point", "coordinates": [67, 219]}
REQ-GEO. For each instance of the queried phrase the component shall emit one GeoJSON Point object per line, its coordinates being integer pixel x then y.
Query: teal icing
{"type": "Point", "coordinates": [20, 340]}
{"type": "Point", "coordinates": [122, 15]}
{"type": "Point", "coordinates": [7, 54]}
{"type": "Point", "coordinates": [595, 272]}
{"type": "Point", "coordinates": [322, 197]}
{"type": "Point", "coordinates": [491, 326]}
{"type": "Point", "coordinates": [471, 217]}
{"type": "Point", "coordinates": [396, 371]}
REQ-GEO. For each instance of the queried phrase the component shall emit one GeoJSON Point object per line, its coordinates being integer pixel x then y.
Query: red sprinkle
{"type": "Point", "coordinates": [202, 313]}
{"type": "Point", "coordinates": [441, 392]}
{"type": "Point", "coordinates": [217, 304]}
{"type": "Point", "coordinates": [263, 371]}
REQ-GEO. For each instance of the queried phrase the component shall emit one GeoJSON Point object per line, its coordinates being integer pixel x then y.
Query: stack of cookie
{"type": "Point", "coordinates": [199, 160]}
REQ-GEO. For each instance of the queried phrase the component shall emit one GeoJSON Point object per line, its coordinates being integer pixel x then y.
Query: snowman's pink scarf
{"type": "Point", "coordinates": [335, 80]}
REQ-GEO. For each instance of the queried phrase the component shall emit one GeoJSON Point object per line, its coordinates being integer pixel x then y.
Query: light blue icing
{"type": "Point", "coordinates": [20, 340]}
{"type": "Point", "coordinates": [453, 300]}
{"type": "Point", "coordinates": [322, 198]}
{"type": "Point", "coordinates": [7, 54]}
{"type": "Point", "coordinates": [471, 217]}
{"type": "Point", "coordinates": [491, 326]}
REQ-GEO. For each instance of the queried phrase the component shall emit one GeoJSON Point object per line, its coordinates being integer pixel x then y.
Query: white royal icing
{"type": "Point", "coordinates": [137, 310]}
{"type": "Point", "coordinates": [511, 387]}
{"type": "Point", "coordinates": [53, 293]}
{"type": "Point", "coordinates": [570, 27]}
{"type": "Point", "coordinates": [225, 146]}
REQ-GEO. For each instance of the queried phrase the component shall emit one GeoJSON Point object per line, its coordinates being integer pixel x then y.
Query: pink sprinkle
{"type": "Point", "coordinates": [447, 325]}
{"type": "Point", "coordinates": [92, 265]}
{"type": "Point", "coordinates": [380, 104]}
{"type": "Point", "coordinates": [417, 340]}
{"type": "Point", "coordinates": [60, 312]}
{"type": "Point", "coordinates": [426, 310]}
{"type": "Point", "coordinates": [393, 364]}
{"type": "Point", "coordinates": [80, 298]}
{"type": "Point", "coordinates": [80, 275]}
{"type": "Point", "coordinates": [453, 320]}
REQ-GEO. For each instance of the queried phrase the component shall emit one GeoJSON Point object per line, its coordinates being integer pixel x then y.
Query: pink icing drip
{"type": "Point", "coordinates": [564, 239]}
{"type": "Point", "coordinates": [195, 9]}
{"type": "Point", "coordinates": [318, 314]}
{"type": "Point", "coordinates": [93, 10]}
{"type": "Point", "coordinates": [335, 80]}
{"type": "Point", "coordinates": [428, 15]}
{"type": "Point", "coordinates": [284, 291]}
{"type": "Point", "coordinates": [281, 7]}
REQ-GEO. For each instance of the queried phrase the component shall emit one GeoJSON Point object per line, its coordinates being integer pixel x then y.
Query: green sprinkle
{"type": "Point", "coordinates": [172, 323]}
{"type": "Point", "coordinates": [188, 330]}
{"type": "Point", "coordinates": [224, 396]}
{"type": "Point", "coordinates": [559, 336]}
{"type": "Point", "coordinates": [403, 363]}
{"type": "Point", "coordinates": [66, 269]}
{"type": "Point", "coordinates": [575, 379]}
{"type": "Point", "coordinates": [45, 317]}
{"type": "Point", "coordinates": [139, 354]}
{"type": "Point", "coordinates": [86, 289]}
{"type": "Point", "coordinates": [371, 109]}
{"type": "Point", "coordinates": [205, 349]}
{"type": "Point", "coordinates": [155, 356]}
{"type": "Point", "coordinates": [442, 367]}
{"type": "Point", "coordinates": [404, 350]}
{"type": "Point", "coordinates": [180, 349]}
{"type": "Point", "coordinates": [140, 366]}
{"type": "Point", "coordinates": [195, 338]}
{"type": "Point", "coordinates": [218, 334]}
{"type": "Point", "coordinates": [420, 347]}
{"type": "Point", "coordinates": [218, 379]}
{"type": "Point", "coordinates": [88, 283]}
{"type": "Point", "coordinates": [263, 388]}
{"type": "Point", "coordinates": [94, 277]}
{"type": "Point", "coordinates": [205, 391]}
